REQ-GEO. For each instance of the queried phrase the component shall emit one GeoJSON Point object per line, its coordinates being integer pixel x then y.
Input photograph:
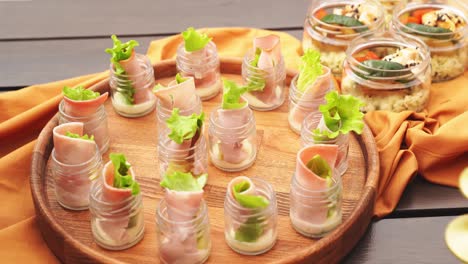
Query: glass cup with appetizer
{"type": "Point", "coordinates": [332, 24]}
{"type": "Point", "coordinates": [131, 80]}
{"type": "Point", "coordinates": [388, 71]}
{"type": "Point", "coordinates": [443, 27]}
{"type": "Point", "coordinates": [232, 133]}
{"type": "Point", "coordinates": [197, 57]}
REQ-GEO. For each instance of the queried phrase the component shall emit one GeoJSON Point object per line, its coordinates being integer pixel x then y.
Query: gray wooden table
{"type": "Point", "coordinates": [48, 40]}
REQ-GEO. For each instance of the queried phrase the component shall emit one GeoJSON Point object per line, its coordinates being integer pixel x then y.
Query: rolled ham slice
{"type": "Point", "coordinates": [251, 190]}
{"type": "Point", "coordinates": [230, 146]}
{"type": "Point", "coordinates": [83, 108]}
{"type": "Point", "coordinates": [72, 151]}
{"type": "Point", "coordinates": [115, 227]}
{"type": "Point", "coordinates": [270, 56]}
{"type": "Point", "coordinates": [176, 95]}
{"type": "Point", "coordinates": [134, 70]}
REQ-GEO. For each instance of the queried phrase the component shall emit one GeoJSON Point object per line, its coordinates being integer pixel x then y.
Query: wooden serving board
{"type": "Point", "coordinates": [68, 233]}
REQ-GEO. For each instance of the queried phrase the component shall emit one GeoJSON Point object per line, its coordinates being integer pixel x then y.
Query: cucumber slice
{"type": "Point", "coordinates": [420, 28]}
{"type": "Point", "coordinates": [343, 21]}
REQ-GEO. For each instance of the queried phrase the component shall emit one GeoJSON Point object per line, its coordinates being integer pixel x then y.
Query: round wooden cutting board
{"type": "Point", "coordinates": [68, 233]}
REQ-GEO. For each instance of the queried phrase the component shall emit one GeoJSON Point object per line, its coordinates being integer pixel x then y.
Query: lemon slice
{"type": "Point", "coordinates": [456, 237]}
{"type": "Point", "coordinates": [463, 182]}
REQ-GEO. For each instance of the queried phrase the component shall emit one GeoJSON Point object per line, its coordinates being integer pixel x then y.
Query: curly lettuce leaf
{"type": "Point", "coordinates": [194, 40]}
{"type": "Point", "coordinates": [79, 93]}
{"type": "Point", "coordinates": [184, 182]}
{"type": "Point", "coordinates": [341, 114]}
{"type": "Point", "coordinates": [122, 178]}
{"type": "Point", "coordinates": [310, 69]}
{"type": "Point", "coordinates": [179, 79]}
{"type": "Point", "coordinates": [254, 62]}
{"type": "Point", "coordinates": [183, 127]}
{"type": "Point", "coordinates": [319, 166]}
{"type": "Point", "coordinates": [85, 136]}
{"type": "Point", "coordinates": [248, 200]}
{"type": "Point", "coordinates": [232, 95]}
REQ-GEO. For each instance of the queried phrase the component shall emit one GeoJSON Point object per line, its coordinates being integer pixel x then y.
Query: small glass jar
{"type": "Point", "coordinates": [184, 242]}
{"type": "Point", "coordinates": [449, 51]}
{"type": "Point", "coordinates": [391, 90]}
{"type": "Point", "coordinates": [232, 139]}
{"type": "Point", "coordinates": [177, 157]}
{"type": "Point", "coordinates": [116, 225]}
{"type": "Point", "coordinates": [272, 96]}
{"type": "Point", "coordinates": [144, 100]}
{"type": "Point", "coordinates": [203, 66]}
{"type": "Point", "coordinates": [95, 124]}
{"type": "Point", "coordinates": [251, 231]}
{"type": "Point", "coordinates": [302, 104]}
{"type": "Point", "coordinates": [73, 181]}
{"type": "Point", "coordinates": [311, 122]}
{"type": "Point", "coordinates": [163, 113]}
{"type": "Point", "coordinates": [315, 213]}
{"type": "Point", "coordinates": [332, 40]}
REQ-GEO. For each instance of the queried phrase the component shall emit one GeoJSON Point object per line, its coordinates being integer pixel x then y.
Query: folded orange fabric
{"type": "Point", "coordinates": [437, 140]}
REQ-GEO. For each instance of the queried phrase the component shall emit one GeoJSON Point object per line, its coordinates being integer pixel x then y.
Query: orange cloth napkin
{"type": "Point", "coordinates": [436, 141]}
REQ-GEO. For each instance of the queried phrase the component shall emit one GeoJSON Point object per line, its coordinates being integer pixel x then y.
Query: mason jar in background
{"type": "Point", "coordinates": [95, 125]}
{"type": "Point", "coordinates": [141, 84]}
{"type": "Point", "coordinates": [332, 40]}
{"type": "Point", "coordinates": [116, 225]}
{"type": "Point", "coordinates": [302, 103]}
{"type": "Point", "coordinates": [311, 122]}
{"type": "Point", "coordinates": [272, 95]}
{"type": "Point", "coordinates": [315, 213]}
{"type": "Point", "coordinates": [184, 242]}
{"type": "Point", "coordinates": [261, 221]}
{"type": "Point", "coordinates": [233, 147]}
{"type": "Point", "coordinates": [73, 181]}
{"type": "Point", "coordinates": [448, 51]}
{"type": "Point", "coordinates": [203, 66]}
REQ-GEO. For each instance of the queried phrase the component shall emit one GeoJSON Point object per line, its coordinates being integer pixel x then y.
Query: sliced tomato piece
{"type": "Point", "coordinates": [320, 13]}
{"type": "Point", "coordinates": [420, 12]}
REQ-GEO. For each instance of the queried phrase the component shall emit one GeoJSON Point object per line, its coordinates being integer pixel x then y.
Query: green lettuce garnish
{"type": "Point", "coordinates": [248, 200]}
{"type": "Point", "coordinates": [194, 40]}
{"type": "Point", "coordinates": [319, 166]}
{"type": "Point", "coordinates": [122, 179]}
{"type": "Point", "coordinates": [250, 231]}
{"type": "Point", "coordinates": [232, 95]}
{"type": "Point", "coordinates": [179, 79]}
{"type": "Point", "coordinates": [183, 127]}
{"type": "Point", "coordinates": [79, 93]}
{"type": "Point", "coordinates": [310, 69]}
{"type": "Point", "coordinates": [341, 114]}
{"type": "Point", "coordinates": [254, 62]}
{"type": "Point", "coordinates": [85, 136]}
{"type": "Point", "coordinates": [185, 182]}
{"type": "Point", "coordinates": [158, 87]}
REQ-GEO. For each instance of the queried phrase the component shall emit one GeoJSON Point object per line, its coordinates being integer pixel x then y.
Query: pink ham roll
{"type": "Point", "coordinates": [83, 108]}
{"type": "Point", "coordinates": [72, 151]}
{"type": "Point", "coordinates": [176, 95]}
{"type": "Point", "coordinates": [134, 70]}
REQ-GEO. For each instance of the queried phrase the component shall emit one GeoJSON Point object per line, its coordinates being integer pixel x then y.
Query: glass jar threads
{"type": "Point", "coordinates": [203, 66]}
{"type": "Point", "coordinates": [249, 229]}
{"type": "Point", "coordinates": [444, 29]}
{"type": "Point", "coordinates": [232, 138]}
{"type": "Point", "coordinates": [183, 241]}
{"type": "Point", "coordinates": [131, 92]}
{"type": "Point", "coordinates": [326, 29]}
{"type": "Point", "coordinates": [388, 71]}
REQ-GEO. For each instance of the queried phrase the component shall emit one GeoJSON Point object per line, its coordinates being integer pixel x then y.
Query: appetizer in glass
{"type": "Point", "coordinates": [316, 192]}
{"type": "Point", "coordinates": [180, 93]}
{"type": "Point", "coordinates": [332, 125]}
{"type": "Point", "coordinates": [308, 89]}
{"type": "Point", "coordinates": [197, 57]}
{"type": "Point", "coordinates": [76, 161]}
{"type": "Point", "coordinates": [443, 27]}
{"type": "Point", "coordinates": [232, 133]}
{"type": "Point", "coordinates": [332, 24]}
{"type": "Point", "coordinates": [86, 106]}
{"type": "Point", "coordinates": [388, 71]}
{"type": "Point", "coordinates": [117, 217]}
{"type": "Point", "coordinates": [263, 71]}
{"type": "Point", "coordinates": [131, 80]}
{"type": "Point", "coordinates": [182, 147]}
{"type": "Point", "coordinates": [182, 220]}
{"type": "Point", "coordinates": [250, 216]}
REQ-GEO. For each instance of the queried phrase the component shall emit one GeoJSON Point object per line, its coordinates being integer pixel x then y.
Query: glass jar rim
{"type": "Point", "coordinates": [317, 193]}
{"type": "Point", "coordinates": [142, 58]}
{"type": "Point", "coordinates": [299, 94]}
{"type": "Point", "coordinates": [85, 164]}
{"type": "Point", "coordinates": [181, 54]}
{"type": "Point", "coordinates": [306, 130]}
{"type": "Point", "coordinates": [166, 112]}
{"type": "Point", "coordinates": [100, 111]}
{"type": "Point", "coordinates": [215, 124]}
{"type": "Point", "coordinates": [162, 210]}
{"type": "Point", "coordinates": [96, 189]}
{"type": "Point", "coordinates": [270, 71]}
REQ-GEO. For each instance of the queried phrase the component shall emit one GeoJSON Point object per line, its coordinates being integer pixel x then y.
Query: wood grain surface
{"type": "Point", "coordinates": [68, 233]}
